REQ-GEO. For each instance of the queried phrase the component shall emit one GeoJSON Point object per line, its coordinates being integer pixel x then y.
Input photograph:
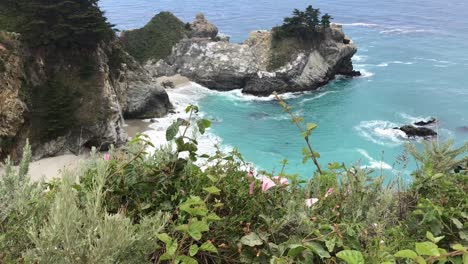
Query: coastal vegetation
{"type": "Point", "coordinates": [61, 23]}
{"type": "Point", "coordinates": [298, 32]}
{"type": "Point", "coordinates": [156, 39]}
{"type": "Point", "coordinates": [177, 206]}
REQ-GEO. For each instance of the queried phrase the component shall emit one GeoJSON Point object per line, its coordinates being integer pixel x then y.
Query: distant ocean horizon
{"type": "Point", "coordinates": [414, 60]}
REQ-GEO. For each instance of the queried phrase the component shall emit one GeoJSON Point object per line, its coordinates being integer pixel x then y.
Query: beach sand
{"type": "Point", "coordinates": [50, 168]}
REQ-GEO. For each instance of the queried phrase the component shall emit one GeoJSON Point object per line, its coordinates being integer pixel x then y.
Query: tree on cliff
{"type": "Point", "coordinates": [326, 20]}
{"type": "Point", "coordinates": [303, 24]}
{"type": "Point", "coordinates": [62, 23]}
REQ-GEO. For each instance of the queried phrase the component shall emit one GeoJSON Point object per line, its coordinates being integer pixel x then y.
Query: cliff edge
{"type": "Point", "coordinates": [260, 65]}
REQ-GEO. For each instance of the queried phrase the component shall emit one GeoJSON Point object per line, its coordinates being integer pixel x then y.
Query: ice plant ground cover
{"type": "Point", "coordinates": [177, 206]}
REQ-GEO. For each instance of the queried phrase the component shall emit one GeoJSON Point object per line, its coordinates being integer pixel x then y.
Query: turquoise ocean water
{"type": "Point", "coordinates": [413, 53]}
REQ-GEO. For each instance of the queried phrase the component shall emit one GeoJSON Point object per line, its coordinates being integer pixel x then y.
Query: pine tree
{"type": "Point", "coordinates": [63, 23]}
{"type": "Point", "coordinates": [326, 20]}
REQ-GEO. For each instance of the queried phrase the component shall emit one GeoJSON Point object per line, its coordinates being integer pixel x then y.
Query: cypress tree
{"type": "Point", "coordinates": [63, 23]}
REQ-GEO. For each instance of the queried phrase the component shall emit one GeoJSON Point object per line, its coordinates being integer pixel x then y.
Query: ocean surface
{"type": "Point", "coordinates": [413, 55]}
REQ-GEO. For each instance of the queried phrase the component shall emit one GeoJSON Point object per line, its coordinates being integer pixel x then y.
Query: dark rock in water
{"type": "Point", "coordinates": [354, 74]}
{"type": "Point", "coordinates": [412, 131]}
{"type": "Point", "coordinates": [432, 120]}
{"type": "Point", "coordinates": [462, 129]}
{"type": "Point", "coordinates": [258, 115]}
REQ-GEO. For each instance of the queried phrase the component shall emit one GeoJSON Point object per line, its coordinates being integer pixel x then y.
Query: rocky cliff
{"type": "Point", "coordinates": [254, 65]}
{"type": "Point", "coordinates": [66, 100]}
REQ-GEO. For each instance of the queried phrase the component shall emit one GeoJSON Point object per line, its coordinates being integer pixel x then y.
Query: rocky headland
{"type": "Point", "coordinates": [260, 65]}
{"type": "Point", "coordinates": [65, 100]}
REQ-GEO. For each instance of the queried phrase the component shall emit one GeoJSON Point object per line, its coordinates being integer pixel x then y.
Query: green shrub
{"type": "Point", "coordinates": [177, 206]}
{"type": "Point", "coordinates": [156, 39]}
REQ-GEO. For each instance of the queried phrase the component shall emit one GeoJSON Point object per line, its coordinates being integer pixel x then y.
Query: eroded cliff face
{"type": "Point", "coordinates": [221, 65]}
{"type": "Point", "coordinates": [65, 101]}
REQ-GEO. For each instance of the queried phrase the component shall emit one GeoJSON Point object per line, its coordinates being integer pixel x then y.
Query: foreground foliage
{"type": "Point", "coordinates": [176, 206]}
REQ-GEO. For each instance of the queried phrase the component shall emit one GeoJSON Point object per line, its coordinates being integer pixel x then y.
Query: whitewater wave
{"type": "Point", "coordinates": [359, 58]}
{"type": "Point", "coordinates": [381, 132]}
{"type": "Point", "coordinates": [436, 60]}
{"type": "Point", "coordinates": [365, 73]}
{"type": "Point", "coordinates": [409, 119]}
{"type": "Point", "coordinates": [182, 97]}
{"type": "Point", "coordinates": [320, 95]}
{"type": "Point", "coordinates": [374, 164]}
{"type": "Point", "coordinates": [360, 24]}
{"type": "Point", "coordinates": [404, 31]}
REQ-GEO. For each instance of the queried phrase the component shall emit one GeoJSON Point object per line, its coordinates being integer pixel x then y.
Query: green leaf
{"type": "Point", "coordinates": [431, 237]}
{"type": "Point", "coordinates": [212, 178]}
{"type": "Point", "coordinates": [251, 240]}
{"type": "Point", "coordinates": [186, 260]}
{"type": "Point", "coordinates": [171, 248]}
{"type": "Point", "coordinates": [295, 250]}
{"type": "Point", "coordinates": [181, 228]}
{"type": "Point", "coordinates": [193, 108]}
{"type": "Point", "coordinates": [427, 249]}
{"type": "Point", "coordinates": [194, 206]}
{"type": "Point", "coordinates": [420, 260]}
{"type": "Point", "coordinates": [212, 190]}
{"type": "Point", "coordinates": [318, 249]}
{"type": "Point", "coordinates": [208, 247]}
{"type": "Point", "coordinates": [351, 256]}
{"type": "Point", "coordinates": [213, 217]}
{"type": "Point", "coordinates": [459, 247]}
{"type": "Point", "coordinates": [457, 223]}
{"type": "Point", "coordinates": [330, 244]}
{"type": "Point", "coordinates": [203, 124]}
{"type": "Point", "coordinates": [317, 155]}
{"type": "Point", "coordinates": [196, 228]}
{"type": "Point", "coordinates": [165, 256]}
{"type": "Point", "coordinates": [193, 250]}
{"type": "Point", "coordinates": [172, 131]}
{"type": "Point", "coordinates": [334, 166]}
{"type": "Point", "coordinates": [311, 126]}
{"type": "Point", "coordinates": [406, 254]}
{"type": "Point", "coordinates": [165, 238]}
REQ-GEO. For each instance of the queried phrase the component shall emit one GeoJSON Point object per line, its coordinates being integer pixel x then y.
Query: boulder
{"type": "Point", "coordinates": [431, 121]}
{"type": "Point", "coordinates": [412, 131]}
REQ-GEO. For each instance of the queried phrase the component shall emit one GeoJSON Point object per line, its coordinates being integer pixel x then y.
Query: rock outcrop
{"type": "Point", "coordinates": [67, 100]}
{"type": "Point", "coordinates": [222, 65]}
{"type": "Point", "coordinates": [201, 28]}
{"type": "Point", "coordinates": [412, 131]}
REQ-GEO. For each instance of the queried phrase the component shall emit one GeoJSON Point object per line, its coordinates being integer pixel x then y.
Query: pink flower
{"type": "Point", "coordinates": [280, 180]}
{"type": "Point", "coordinates": [251, 188]}
{"type": "Point", "coordinates": [106, 156]}
{"type": "Point", "coordinates": [311, 201]}
{"type": "Point", "coordinates": [250, 174]}
{"type": "Point", "coordinates": [330, 191]}
{"type": "Point", "coordinates": [267, 183]}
